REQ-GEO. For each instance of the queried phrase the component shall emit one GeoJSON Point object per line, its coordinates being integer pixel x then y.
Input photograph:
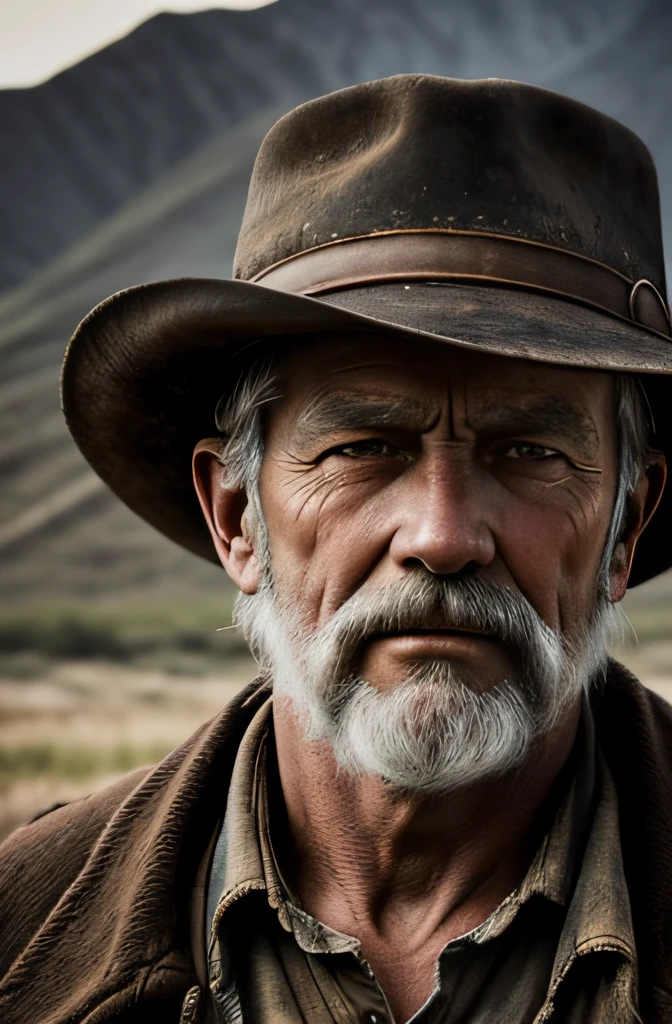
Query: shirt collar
{"type": "Point", "coordinates": [578, 864]}
{"type": "Point", "coordinates": [236, 868]}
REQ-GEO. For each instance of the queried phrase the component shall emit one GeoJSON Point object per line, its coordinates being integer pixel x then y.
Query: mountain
{"type": "Point", "coordinates": [133, 166]}
{"type": "Point", "coordinates": [56, 513]}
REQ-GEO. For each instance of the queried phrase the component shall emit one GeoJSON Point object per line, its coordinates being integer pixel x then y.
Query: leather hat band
{"type": "Point", "coordinates": [438, 255]}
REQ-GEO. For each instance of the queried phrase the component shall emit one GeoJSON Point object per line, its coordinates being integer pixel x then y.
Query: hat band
{"type": "Point", "coordinates": [438, 255]}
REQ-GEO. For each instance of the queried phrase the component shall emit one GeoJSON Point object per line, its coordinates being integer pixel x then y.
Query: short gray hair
{"type": "Point", "coordinates": [238, 420]}
{"type": "Point", "coordinates": [634, 425]}
{"type": "Point", "coordinates": [238, 417]}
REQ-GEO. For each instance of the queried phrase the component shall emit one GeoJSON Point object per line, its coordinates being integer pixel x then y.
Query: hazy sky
{"type": "Point", "coordinates": [38, 38]}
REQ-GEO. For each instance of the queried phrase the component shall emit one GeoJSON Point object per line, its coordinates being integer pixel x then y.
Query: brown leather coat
{"type": "Point", "coordinates": [95, 895]}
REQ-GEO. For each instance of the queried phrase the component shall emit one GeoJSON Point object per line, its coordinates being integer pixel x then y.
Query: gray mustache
{"type": "Point", "coordinates": [423, 602]}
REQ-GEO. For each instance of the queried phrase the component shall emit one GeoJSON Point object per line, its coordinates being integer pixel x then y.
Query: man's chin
{"type": "Point", "coordinates": [431, 736]}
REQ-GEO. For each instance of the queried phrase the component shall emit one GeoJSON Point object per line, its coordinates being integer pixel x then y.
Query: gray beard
{"type": "Point", "coordinates": [436, 729]}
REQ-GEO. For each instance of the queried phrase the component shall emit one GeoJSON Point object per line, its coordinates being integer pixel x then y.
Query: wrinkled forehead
{"type": "Point", "coordinates": [410, 379]}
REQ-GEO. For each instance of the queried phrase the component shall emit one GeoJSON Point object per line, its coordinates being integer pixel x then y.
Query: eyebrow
{"type": "Point", "coordinates": [555, 414]}
{"type": "Point", "coordinates": [333, 412]}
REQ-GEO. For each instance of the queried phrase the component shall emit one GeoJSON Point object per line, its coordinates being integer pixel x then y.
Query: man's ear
{"type": "Point", "coordinates": [640, 507]}
{"type": "Point", "coordinates": [224, 510]}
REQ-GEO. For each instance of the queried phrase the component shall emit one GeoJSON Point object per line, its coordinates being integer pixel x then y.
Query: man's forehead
{"type": "Point", "coordinates": [409, 384]}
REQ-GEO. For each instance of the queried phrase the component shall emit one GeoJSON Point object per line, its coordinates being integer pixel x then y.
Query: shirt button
{"type": "Point", "coordinates": [369, 1017]}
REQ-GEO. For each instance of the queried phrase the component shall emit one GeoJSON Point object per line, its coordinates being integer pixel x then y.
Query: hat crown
{"type": "Point", "coordinates": [485, 215]}
{"type": "Point", "coordinates": [422, 152]}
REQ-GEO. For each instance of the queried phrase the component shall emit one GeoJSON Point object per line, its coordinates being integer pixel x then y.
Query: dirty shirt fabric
{"type": "Point", "coordinates": [560, 947]}
{"type": "Point", "coordinates": [97, 895]}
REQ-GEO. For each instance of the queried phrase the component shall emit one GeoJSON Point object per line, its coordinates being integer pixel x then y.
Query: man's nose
{"type": "Point", "coordinates": [446, 523]}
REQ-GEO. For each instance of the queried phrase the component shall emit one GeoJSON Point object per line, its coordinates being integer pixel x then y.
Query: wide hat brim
{"type": "Point", "coordinates": [145, 369]}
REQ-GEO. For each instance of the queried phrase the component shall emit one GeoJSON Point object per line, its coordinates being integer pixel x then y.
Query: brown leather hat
{"type": "Point", "coordinates": [486, 214]}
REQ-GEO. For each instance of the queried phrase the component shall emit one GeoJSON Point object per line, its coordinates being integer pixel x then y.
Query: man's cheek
{"type": "Point", "coordinates": [339, 515]}
{"type": "Point", "coordinates": [552, 565]}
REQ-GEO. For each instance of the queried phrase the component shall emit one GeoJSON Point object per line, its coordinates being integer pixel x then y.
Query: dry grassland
{"type": "Point", "coordinates": [88, 722]}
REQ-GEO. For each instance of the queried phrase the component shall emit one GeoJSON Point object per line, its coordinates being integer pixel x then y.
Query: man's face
{"type": "Point", "coordinates": [436, 521]}
{"type": "Point", "coordinates": [385, 456]}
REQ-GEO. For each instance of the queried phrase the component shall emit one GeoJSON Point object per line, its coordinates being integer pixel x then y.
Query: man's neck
{"type": "Point", "coordinates": [406, 874]}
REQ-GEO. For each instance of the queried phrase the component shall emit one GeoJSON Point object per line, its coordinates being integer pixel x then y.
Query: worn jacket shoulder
{"type": "Point", "coordinates": [41, 859]}
{"type": "Point", "coordinates": [99, 891]}
{"type": "Point", "coordinates": [634, 730]}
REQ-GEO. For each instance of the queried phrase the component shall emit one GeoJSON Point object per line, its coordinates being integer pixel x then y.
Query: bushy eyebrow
{"type": "Point", "coordinates": [336, 411]}
{"type": "Point", "coordinates": [554, 415]}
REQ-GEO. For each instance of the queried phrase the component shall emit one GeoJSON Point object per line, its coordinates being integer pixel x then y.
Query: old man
{"type": "Point", "coordinates": [428, 425]}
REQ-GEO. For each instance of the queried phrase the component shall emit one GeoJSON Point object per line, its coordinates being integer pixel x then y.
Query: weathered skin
{"type": "Point", "coordinates": [508, 465]}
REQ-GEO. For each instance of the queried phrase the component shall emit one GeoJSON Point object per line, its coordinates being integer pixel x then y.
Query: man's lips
{"type": "Point", "coordinates": [433, 642]}
{"type": "Point", "coordinates": [435, 631]}
{"type": "Point", "coordinates": [484, 655]}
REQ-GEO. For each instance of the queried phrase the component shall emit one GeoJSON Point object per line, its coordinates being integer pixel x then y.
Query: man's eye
{"type": "Point", "coordinates": [374, 447]}
{"type": "Point", "coordinates": [531, 451]}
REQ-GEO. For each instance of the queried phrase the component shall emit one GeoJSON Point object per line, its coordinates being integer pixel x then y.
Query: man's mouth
{"type": "Point", "coordinates": [433, 642]}
{"type": "Point", "coordinates": [435, 631]}
{"type": "Point", "coordinates": [390, 654]}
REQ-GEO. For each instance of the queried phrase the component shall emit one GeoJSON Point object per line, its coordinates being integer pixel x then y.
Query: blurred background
{"type": "Point", "coordinates": [127, 138]}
